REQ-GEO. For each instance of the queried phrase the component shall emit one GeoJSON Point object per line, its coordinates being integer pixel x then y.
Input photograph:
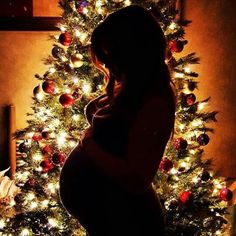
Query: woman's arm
{"type": "Point", "coordinates": [147, 141]}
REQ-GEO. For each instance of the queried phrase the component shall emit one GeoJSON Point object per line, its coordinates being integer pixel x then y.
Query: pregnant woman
{"type": "Point", "coordinates": [106, 182]}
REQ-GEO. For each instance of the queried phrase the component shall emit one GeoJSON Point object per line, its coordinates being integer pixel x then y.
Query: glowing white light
{"type": "Point", "coordinates": [52, 70]}
{"type": "Point", "coordinates": [61, 139]}
{"type": "Point", "coordinates": [179, 75]}
{"type": "Point", "coordinates": [76, 117]}
{"type": "Point", "coordinates": [83, 36]}
{"type": "Point", "coordinates": [173, 25]}
{"type": "Point", "coordinates": [181, 127]}
{"type": "Point", "coordinates": [201, 106]}
{"type": "Point", "coordinates": [72, 144]}
{"type": "Point", "coordinates": [33, 205]}
{"type": "Point", "coordinates": [37, 157]}
{"type": "Point", "coordinates": [40, 96]}
{"type": "Point", "coordinates": [75, 80]}
{"type": "Point", "coordinates": [173, 171]}
{"type": "Point", "coordinates": [23, 176]}
{"type": "Point", "coordinates": [30, 196]}
{"type": "Point", "coordinates": [77, 33]}
{"type": "Point", "coordinates": [98, 3]}
{"type": "Point", "coordinates": [68, 90]}
{"type": "Point", "coordinates": [197, 123]}
{"type": "Point", "coordinates": [87, 88]}
{"type": "Point", "coordinates": [25, 232]}
{"type": "Point", "coordinates": [187, 69]}
{"type": "Point", "coordinates": [100, 11]}
{"type": "Point", "coordinates": [53, 222]}
{"type": "Point", "coordinates": [45, 203]}
{"type": "Point", "coordinates": [2, 224]}
{"type": "Point", "coordinates": [62, 28]}
{"type": "Point", "coordinates": [51, 187]}
{"type": "Point", "coordinates": [195, 179]}
{"type": "Point", "coordinates": [85, 11]}
{"type": "Point", "coordinates": [218, 232]}
{"type": "Point", "coordinates": [127, 2]}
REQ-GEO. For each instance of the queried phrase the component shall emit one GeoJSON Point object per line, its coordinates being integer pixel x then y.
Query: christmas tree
{"type": "Point", "coordinates": [195, 201]}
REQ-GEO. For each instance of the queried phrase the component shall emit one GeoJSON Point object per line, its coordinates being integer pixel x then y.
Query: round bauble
{"type": "Point", "coordinates": [37, 90]}
{"type": "Point", "coordinates": [205, 176]}
{"type": "Point", "coordinates": [47, 150]}
{"type": "Point", "coordinates": [37, 137]}
{"type": "Point", "coordinates": [166, 165]}
{"type": "Point", "coordinates": [46, 165]}
{"type": "Point", "coordinates": [226, 194]}
{"type": "Point", "coordinates": [186, 197]}
{"type": "Point", "coordinates": [65, 39]}
{"type": "Point", "coordinates": [76, 60]}
{"type": "Point", "coordinates": [48, 86]}
{"type": "Point", "coordinates": [58, 52]}
{"type": "Point", "coordinates": [180, 144]}
{"type": "Point", "coordinates": [203, 139]}
{"type": "Point", "coordinates": [46, 134]}
{"type": "Point", "coordinates": [66, 100]}
{"type": "Point", "coordinates": [190, 99]}
{"type": "Point", "coordinates": [177, 45]}
{"type": "Point", "coordinates": [58, 158]}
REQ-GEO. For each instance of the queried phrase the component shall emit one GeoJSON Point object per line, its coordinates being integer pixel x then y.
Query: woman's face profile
{"type": "Point", "coordinates": [98, 64]}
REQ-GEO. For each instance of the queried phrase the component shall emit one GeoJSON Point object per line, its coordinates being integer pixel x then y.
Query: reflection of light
{"type": "Point", "coordinates": [201, 106]}
{"type": "Point", "coordinates": [52, 70]}
{"type": "Point", "coordinates": [2, 224]}
{"type": "Point", "coordinates": [61, 139]}
{"type": "Point", "coordinates": [187, 69]}
{"type": "Point", "coordinates": [25, 232]}
{"type": "Point", "coordinates": [53, 222]}
{"type": "Point", "coordinates": [45, 203]}
{"type": "Point", "coordinates": [87, 88]}
{"type": "Point", "coordinates": [37, 157]}
{"type": "Point", "coordinates": [33, 205]}
{"type": "Point", "coordinates": [172, 26]}
{"type": "Point", "coordinates": [127, 2]}
{"type": "Point", "coordinates": [179, 75]}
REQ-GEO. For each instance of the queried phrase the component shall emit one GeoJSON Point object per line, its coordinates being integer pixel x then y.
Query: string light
{"type": "Point", "coordinates": [51, 188]}
{"type": "Point", "coordinates": [45, 203]}
{"type": "Point", "coordinates": [87, 88]}
{"type": "Point", "coordinates": [201, 106]}
{"type": "Point", "coordinates": [40, 96]}
{"type": "Point", "coordinates": [173, 25]}
{"type": "Point", "coordinates": [25, 232]}
{"type": "Point", "coordinates": [52, 70]}
{"type": "Point", "coordinates": [127, 2]}
{"type": "Point", "coordinates": [30, 196]}
{"type": "Point", "coordinates": [2, 223]}
{"type": "Point", "coordinates": [33, 205]}
{"type": "Point", "coordinates": [53, 222]}
{"type": "Point", "coordinates": [187, 70]}
{"type": "Point", "coordinates": [179, 75]}
{"type": "Point", "coordinates": [61, 139]}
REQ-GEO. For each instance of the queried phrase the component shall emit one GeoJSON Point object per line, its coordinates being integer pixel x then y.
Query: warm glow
{"type": "Point", "coordinates": [52, 70]}
{"type": "Point", "coordinates": [87, 88]}
{"type": "Point", "coordinates": [179, 75]}
{"type": "Point", "coordinates": [127, 2]}
{"type": "Point", "coordinates": [45, 203]}
{"type": "Point", "coordinates": [2, 224]}
{"type": "Point", "coordinates": [37, 157]}
{"type": "Point", "coordinates": [172, 26]}
{"type": "Point", "coordinates": [33, 205]}
{"type": "Point", "coordinates": [25, 232]}
{"type": "Point", "coordinates": [53, 222]}
{"type": "Point", "coordinates": [30, 196]}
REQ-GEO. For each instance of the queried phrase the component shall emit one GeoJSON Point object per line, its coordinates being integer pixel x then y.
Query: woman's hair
{"type": "Point", "coordinates": [131, 42]}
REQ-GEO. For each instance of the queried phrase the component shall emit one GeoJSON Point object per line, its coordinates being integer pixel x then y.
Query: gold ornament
{"type": "Point", "coordinates": [76, 60]}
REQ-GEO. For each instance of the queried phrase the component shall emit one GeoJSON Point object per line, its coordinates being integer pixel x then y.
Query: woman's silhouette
{"type": "Point", "coordinates": [106, 182]}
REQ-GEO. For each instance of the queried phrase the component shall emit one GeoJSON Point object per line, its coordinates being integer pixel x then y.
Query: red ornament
{"type": "Point", "coordinates": [47, 150]}
{"type": "Point", "coordinates": [37, 137]}
{"type": "Point", "coordinates": [226, 194]}
{"type": "Point", "coordinates": [185, 197]}
{"type": "Point", "coordinates": [59, 158]}
{"type": "Point", "coordinates": [66, 100]}
{"type": "Point", "coordinates": [180, 144]}
{"type": "Point", "coordinates": [166, 165]}
{"type": "Point", "coordinates": [48, 86]}
{"type": "Point", "coordinates": [177, 45]}
{"type": "Point", "coordinates": [190, 99]}
{"type": "Point", "coordinates": [46, 165]}
{"type": "Point", "coordinates": [65, 39]}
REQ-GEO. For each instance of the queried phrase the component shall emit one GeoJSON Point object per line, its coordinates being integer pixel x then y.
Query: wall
{"type": "Point", "coordinates": [212, 36]}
